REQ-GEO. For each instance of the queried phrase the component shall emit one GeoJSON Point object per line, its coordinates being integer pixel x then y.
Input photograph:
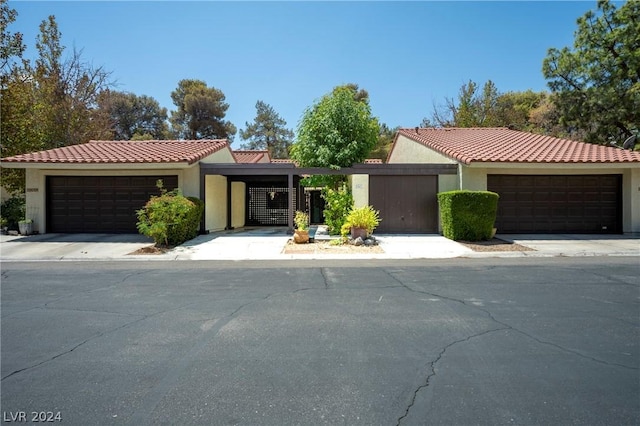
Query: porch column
{"type": "Point", "coordinates": [229, 204]}
{"type": "Point", "coordinates": [291, 206]}
{"type": "Point", "coordinates": [204, 200]}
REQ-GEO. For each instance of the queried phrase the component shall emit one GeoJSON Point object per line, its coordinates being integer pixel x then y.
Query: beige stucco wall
{"type": "Point", "coordinates": [215, 203]}
{"type": "Point", "coordinates": [222, 156]}
{"type": "Point", "coordinates": [35, 182]}
{"type": "Point", "coordinates": [359, 189]}
{"type": "Point", "coordinates": [238, 204]}
{"type": "Point", "coordinates": [407, 151]}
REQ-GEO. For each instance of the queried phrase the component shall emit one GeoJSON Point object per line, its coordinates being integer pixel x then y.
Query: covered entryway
{"type": "Point", "coordinates": [407, 204]}
{"type": "Point", "coordinates": [558, 203]}
{"type": "Point", "coordinates": [102, 204]}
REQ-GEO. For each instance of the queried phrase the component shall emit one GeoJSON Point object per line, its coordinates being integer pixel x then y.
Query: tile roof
{"type": "Point", "coordinates": [373, 161]}
{"type": "Point", "coordinates": [503, 145]}
{"type": "Point", "coordinates": [282, 160]}
{"type": "Point", "coordinates": [110, 152]}
{"type": "Point", "coordinates": [251, 156]}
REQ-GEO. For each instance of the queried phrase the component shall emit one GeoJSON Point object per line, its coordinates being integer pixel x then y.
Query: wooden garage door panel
{"type": "Point", "coordinates": [557, 203]}
{"type": "Point", "coordinates": [99, 203]}
{"type": "Point", "coordinates": [407, 204]}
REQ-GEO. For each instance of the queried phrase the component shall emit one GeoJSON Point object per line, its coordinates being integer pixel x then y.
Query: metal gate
{"type": "Point", "coordinates": [268, 205]}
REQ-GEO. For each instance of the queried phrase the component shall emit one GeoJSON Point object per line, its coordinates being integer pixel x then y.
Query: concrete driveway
{"type": "Point", "coordinates": [268, 244]}
{"type": "Point", "coordinates": [525, 341]}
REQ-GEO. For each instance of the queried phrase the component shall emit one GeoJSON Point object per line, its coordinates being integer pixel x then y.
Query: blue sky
{"type": "Point", "coordinates": [407, 55]}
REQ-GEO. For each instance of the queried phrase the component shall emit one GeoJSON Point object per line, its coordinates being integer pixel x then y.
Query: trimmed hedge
{"type": "Point", "coordinates": [468, 215]}
{"type": "Point", "coordinates": [170, 219]}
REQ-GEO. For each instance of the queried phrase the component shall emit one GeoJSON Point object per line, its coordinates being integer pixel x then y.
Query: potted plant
{"type": "Point", "coordinates": [301, 233]}
{"type": "Point", "coordinates": [25, 226]}
{"type": "Point", "coordinates": [362, 221]}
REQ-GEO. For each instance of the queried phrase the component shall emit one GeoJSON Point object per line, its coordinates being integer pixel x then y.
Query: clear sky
{"type": "Point", "coordinates": [407, 55]}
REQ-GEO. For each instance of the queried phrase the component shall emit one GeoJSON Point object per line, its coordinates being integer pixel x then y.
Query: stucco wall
{"type": "Point", "coordinates": [35, 182]}
{"type": "Point", "coordinates": [238, 204]}
{"type": "Point", "coordinates": [222, 156]}
{"type": "Point", "coordinates": [215, 203]}
{"type": "Point", "coordinates": [359, 189]}
{"type": "Point", "coordinates": [407, 151]}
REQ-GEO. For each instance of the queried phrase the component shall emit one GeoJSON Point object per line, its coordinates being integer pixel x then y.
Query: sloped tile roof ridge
{"type": "Point", "coordinates": [157, 151]}
{"type": "Point", "coordinates": [500, 144]}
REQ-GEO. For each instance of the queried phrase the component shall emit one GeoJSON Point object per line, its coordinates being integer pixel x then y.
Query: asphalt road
{"type": "Point", "coordinates": [446, 342]}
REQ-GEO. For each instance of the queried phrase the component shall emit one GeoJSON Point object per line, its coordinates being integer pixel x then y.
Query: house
{"type": "Point", "coordinates": [98, 186]}
{"type": "Point", "coordinates": [546, 185]}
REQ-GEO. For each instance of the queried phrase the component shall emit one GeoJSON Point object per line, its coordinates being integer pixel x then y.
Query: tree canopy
{"type": "Point", "coordinates": [336, 131]}
{"type": "Point", "coordinates": [133, 117]}
{"type": "Point", "coordinates": [268, 132]}
{"type": "Point", "coordinates": [201, 111]}
{"type": "Point", "coordinates": [49, 103]}
{"type": "Point", "coordinates": [597, 82]}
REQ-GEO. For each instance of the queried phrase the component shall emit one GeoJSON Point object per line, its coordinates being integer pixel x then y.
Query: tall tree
{"type": "Point", "coordinates": [336, 132]}
{"type": "Point", "coordinates": [385, 140]}
{"type": "Point", "coordinates": [68, 89]}
{"type": "Point", "coordinates": [473, 108]}
{"type": "Point", "coordinates": [11, 44]}
{"type": "Point", "coordinates": [597, 83]}
{"type": "Point", "coordinates": [48, 104]}
{"type": "Point", "coordinates": [133, 117]}
{"type": "Point", "coordinates": [268, 132]}
{"type": "Point", "coordinates": [201, 111]}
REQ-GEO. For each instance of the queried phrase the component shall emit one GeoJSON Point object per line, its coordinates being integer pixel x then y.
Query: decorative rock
{"type": "Point", "coordinates": [358, 241]}
{"type": "Point", "coordinates": [369, 242]}
{"type": "Point", "coordinates": [322, 230]}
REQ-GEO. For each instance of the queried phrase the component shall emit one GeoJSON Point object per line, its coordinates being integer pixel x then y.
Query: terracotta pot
{"type": "Point", "coordinates": [358, 232]}
{"type": "Point", "coordinates": [300, 236]}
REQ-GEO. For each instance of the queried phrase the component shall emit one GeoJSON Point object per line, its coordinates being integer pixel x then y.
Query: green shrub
{"type": "Point", "coordinates": [301, 219]}
{"type": "Point", "coordinates": [13, 211]}
{"type": "Point", "coordinates": [170, 219]}
{"type": "Point", "coordinates": [337, 205]}
{"type": "Point", "coordinates": [364, 217]}
{"type": "Point", "coordinates": [468, 215]}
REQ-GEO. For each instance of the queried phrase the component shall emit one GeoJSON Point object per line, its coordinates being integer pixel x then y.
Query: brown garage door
{"type": "Point", "coordinates": [558, 204]}
{"type": "Point", "coordinates": [407, 204]}
{"type": "Point", "coordinates": [105, 204]}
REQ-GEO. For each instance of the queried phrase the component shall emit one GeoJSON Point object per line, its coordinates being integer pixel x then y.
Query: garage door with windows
{"type": "Point", "coordinates": [558, 203]}
{"type": "Point", "coordinates": [103, 204]}
{"type": "Point", "coordinates": [407, 204]}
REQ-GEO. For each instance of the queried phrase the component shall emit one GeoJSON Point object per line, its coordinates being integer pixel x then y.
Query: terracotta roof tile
{"type": "Point", "coordinates": [164, 151]}
{"type": "Point", "coordinates": [282, 160]}
{"type": "Point", "coordinates": [492, 144]}
{"type": "Point", "coordinates": [373, 161]}
{"type": "Point", "coordinates": [250, 156]}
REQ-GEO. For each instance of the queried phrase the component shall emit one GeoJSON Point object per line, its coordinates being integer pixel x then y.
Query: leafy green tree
{"type": "Point", "coordinates": [48, 104]}
{"type": "Point", "coordinates": [268, 132]}
{"type": "Point", "coordinates": [133, 116]}
{"type": "Point", "coordinates": [201, 111]}
{"type": "Point", "coordinates": [597, 83]}
{"type": "Point", "coordinates": [384, 143]}
{"type": "Point", "coordinates": [11, 45]}
{"type": "Point", "coordinates": [473, 108]}
{"type": "Point", "coordinates": [336, 132]}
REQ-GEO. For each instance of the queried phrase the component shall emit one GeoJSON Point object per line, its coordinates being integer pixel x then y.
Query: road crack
{"type": "Point", "coordinates": [512, 328]}
{"type": "Point", "coordinates": [431, 366]}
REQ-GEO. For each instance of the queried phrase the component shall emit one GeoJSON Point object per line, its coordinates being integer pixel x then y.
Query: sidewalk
{"type": "Point", "coordinates": [269, 243]}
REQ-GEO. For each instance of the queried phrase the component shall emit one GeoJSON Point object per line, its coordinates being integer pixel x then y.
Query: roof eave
{"type": "Point", "coordinates": [96, 165]}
